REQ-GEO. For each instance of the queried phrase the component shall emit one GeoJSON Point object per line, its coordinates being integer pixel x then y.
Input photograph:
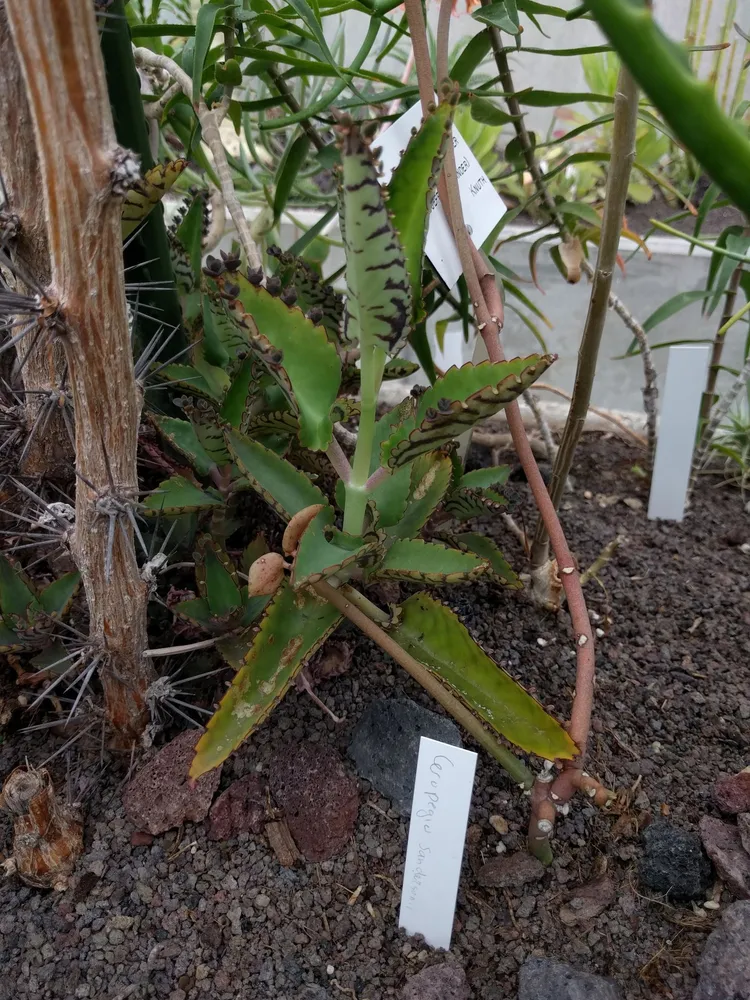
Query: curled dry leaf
{"type": "Point", "coordinates": [47, 836]}
{"type": "Point", "coordinates": [265, 575]}
{"type": "Point", "coordinates": [296, 527]}
{"type": "Point", "coordinates": [571, 254]}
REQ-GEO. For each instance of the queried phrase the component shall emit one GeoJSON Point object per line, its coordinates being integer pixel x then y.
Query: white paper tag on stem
{"type": "Point", "coordinates": [437, 831]}
{"type": "Point", "coordinates": [482, 205]}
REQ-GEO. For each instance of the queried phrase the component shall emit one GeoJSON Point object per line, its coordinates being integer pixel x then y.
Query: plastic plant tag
{"type": "Point", "coordinates": [683, 389]}
{"type": "Point", "coordinates": [437, 831]}
{"type": "Point", "coordinates": [482, 205]}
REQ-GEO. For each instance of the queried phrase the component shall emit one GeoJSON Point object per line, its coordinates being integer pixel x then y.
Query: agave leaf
{"type": "Point", "coordinates": [430, 479]}
{"type": "Point", "coordinates": [412, 189]}
{"type": "Point", "coordinates": [178, 495]}
{"type": "Point", "coordinates": [378, 304]}
{"type": "Point", "coordinates": [458, 400]}
{"type": "Point", "coordinates": [148, 192]}
{"type": "Point", "coordinates": [17, 593]}
{"type": "Point", "coordinates": [428, 562]}
{"type": "Point", "coordinates": [187, 379]}
{"type": "Point", "coordinates": [183, 438]}
{"type": "Point", "coordinates": [435, 636]}
{"type": "Point", "coordinates": [208, 428]}
{"type": "Point", "coordinates": [292, 629]}
{"type": "Point", "coordinates": [312, 292]}
{"type": "Point", "coordinates": [307, 357]}
{"type": "Point", "coordinates": [57, 596]}
{"type": "Point", "coordinates": [324, 550]}
{"type": "Point", "coordinates": [500, 570]}
{"type": "Point", "coordinates": [279, 483]}
{"type": "Point", "coordinates": [216, 577]}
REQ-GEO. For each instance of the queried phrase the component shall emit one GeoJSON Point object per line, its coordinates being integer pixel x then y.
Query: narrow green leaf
{"type": "Point", "coordinates": [279, 483]}
{"type": "Point", "coordinates": [430, 479]}
{"type": "Point", "coordinates": [204, 33]}
{"type": "Point", "coordinates": [57, 596]}
{"type": "Point", "coordinates": [411, 191]}
{"type": "Point", "coordinates": [428, 562]}
{"type": "Point", "coordinates": [290, 165]}
{"type": "Point", "coordinates": [178, 495]}
{"type": "Point", "coordinates": [688, 105]}
{"type": "Point", "coordinates": [472, 56]}
{"type": "Point", "coordinates": [435, 636]}
{"type": "Point", "coordinates": [671, 307]}
{"type": "Point", "coordinates": [293, 628]}
{"type": "Point", "coordinates": [487, 113]}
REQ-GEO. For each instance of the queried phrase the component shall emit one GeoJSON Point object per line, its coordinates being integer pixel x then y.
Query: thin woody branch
{"type": "Point", "coordinates": [210, 119]}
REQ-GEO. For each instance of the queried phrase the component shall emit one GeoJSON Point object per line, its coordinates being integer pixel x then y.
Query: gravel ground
{"type": "Point", "coordinates": [185, 917]}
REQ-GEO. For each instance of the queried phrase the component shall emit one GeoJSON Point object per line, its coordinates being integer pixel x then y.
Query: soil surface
{"type": "Point", "coordinates": [187, 917]}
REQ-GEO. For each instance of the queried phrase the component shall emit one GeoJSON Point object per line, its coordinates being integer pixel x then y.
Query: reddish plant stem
{"type": "Point", "coordinates": [487, 304]}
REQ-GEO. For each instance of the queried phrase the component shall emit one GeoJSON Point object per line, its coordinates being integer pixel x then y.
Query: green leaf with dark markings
{"type": "Point", "coordinates": [216, 577]}
{"type": "Point", "coordinates": [324, 550]}
{"type": "Point", "coordinates": [293, 628]}
{"type": "Point", "coordinates": [183, 438]}
{"type": "Point", "coordinates": [430, 479]}
{"type": "Point", "coordinates": [277, 481]}
{"type": "Point", "coordinates": [435, 637]}
{"type": "Point", "coordinates": [57, 597]}
{"type": "Point", "coordinates": [428, 562]}
{"type": "Point", "coordinates": [17, 594]}
{"type": "Point", "coordinates": [379, 302]}
{"type": "Point", "coordinates": [458, 400]}
{"type": "Point", "coordinates": [178, 495]}
{"type": "Point", "coordinates": [485, 548]}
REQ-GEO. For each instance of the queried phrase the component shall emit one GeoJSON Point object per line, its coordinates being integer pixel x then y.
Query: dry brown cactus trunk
{"type": "Point", "coordinates": [83, 175]}
{"type": "Point", "coordinates": [50, 454]}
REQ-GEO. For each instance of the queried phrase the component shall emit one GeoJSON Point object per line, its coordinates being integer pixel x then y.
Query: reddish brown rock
{"type": "Point", "coordinates": [510, 872]}
{"type": "Point", "coordinates": [240, 809]}
{"type": "Point", "coordinates": [139, 838]}
{"type": "Point", "coordinates": [319, 798]}
{"type": "Point", "coordinates": [724, 847]}
{"type": "Point", "coordinates": [438, 982]}
{"type": "Point", "coordinates": [161, 797]}
{"type": "Point", "coordinates": [588, 901]}
{"type": "Point", "coordinates": [743, 825]}
{"type": "Point", "coordinates": [732, 792]}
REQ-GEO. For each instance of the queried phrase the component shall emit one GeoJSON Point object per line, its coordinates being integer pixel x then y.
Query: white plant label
{"type": "Point", "coordinates": [483, 207]}
{"type": "Point", "coordinates": [678, 422]}
{"type": "Point", "coordinates": [437, 831]}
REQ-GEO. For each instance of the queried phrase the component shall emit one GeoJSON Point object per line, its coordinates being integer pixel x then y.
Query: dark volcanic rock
{"type": "Point", "coordinates": [725, 963]}
{"type": "Point", "coordinates": [546, 979]}
{"type": "Point", "coordinates": [674, 864]}
{"type": "Point", "coordinates": [240, 809]}
{"type": "Point", "coordinates": [385, 745]}
{"type": "Point", "coordinates": [438, 982]}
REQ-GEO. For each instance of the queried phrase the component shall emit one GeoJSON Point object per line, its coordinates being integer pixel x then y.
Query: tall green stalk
{"type": "Point", "coordinates": [372, 363]}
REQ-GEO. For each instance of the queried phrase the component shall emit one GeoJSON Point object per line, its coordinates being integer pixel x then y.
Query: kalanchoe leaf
{"type": "Point", "coordinates": [324, 550]}
{"type": "Point", "coordinates": [187, 379]}
{"type": "Point", "coordinates": [10, 640]}
{"type": "Point", "coordinates": [17, 593]}
{"type": "Point", "coordinates": [379, 305]}
{"type": "Point", "coordinates": [178, 495]}
{"type": "Point", "coordinates": [196, 611]}
{"type": "Point", "coordinates": [241, 393]}
{"type": "Point", "coordinates": [208, 428]}
{"type": "Point", "coordinates": [434, 635]}
{"type": "Point", "coordinates": [148, 192]}
{"type": "Point", "coordinates": [313, 295]}
{"type": "Point", "coordinates": [227, 335]}
{"type": "Point", "coordinates": [394, 369]}
{"type": "Point", "coordinates": [428, 562]}
{"type": "Point", "coordinates": [216, 577]}
{"type": "Point", "coordinates": [493, 475]}
{"type": "Point", "coordinates": [430, 479]}
{"type": "Point", "coordinates": [412, 188]}
{"type": "Point", "coordinates": [183, 438]}
{"type": "Point", "coordinates": [458, 400]}
{"type": "Point", "coordinates": [57, 597]}
{"type": "Point", "coordinates": [500, 570]}
{"type": "Point", "coordinates": [292, 629]}
{"type": "Point", "coordinates": [278, 482]}
{"type": "Point", "coordinates": [391, 494]}
{"type": "Point", "coordinates": [463, 504]}
{"type": "Point", "coordinates": [275, 422]}
{"type": "Point", "coordinates": [302, 352]}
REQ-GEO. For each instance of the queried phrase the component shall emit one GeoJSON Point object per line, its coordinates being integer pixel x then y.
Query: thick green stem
{"type": "Point", "coordinates": [623, 154]}
{"type": "Point", "coordinates": [356, 489]}
{"type": "Point", "coordinates": [515, 768]}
